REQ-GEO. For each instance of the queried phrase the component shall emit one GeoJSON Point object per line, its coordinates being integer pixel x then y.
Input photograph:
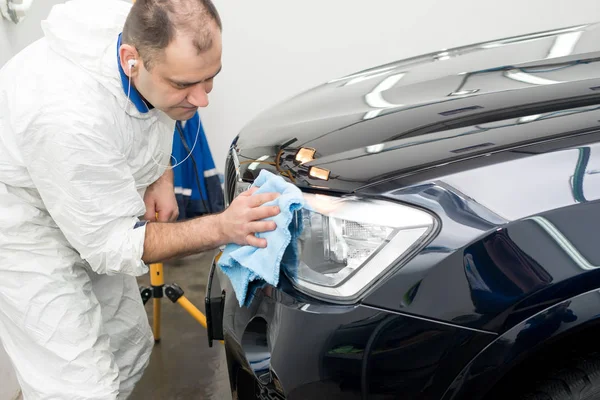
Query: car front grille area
{"type": "Point", "coordinates": [230, 179]}
{"type": "Point", "coordinates": [266, 393]}
{"type": "Point", "coordinates": [247, 387]}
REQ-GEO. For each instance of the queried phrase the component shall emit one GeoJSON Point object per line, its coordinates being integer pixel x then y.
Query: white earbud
{"type": "Point", "coordinates": [131, 63]}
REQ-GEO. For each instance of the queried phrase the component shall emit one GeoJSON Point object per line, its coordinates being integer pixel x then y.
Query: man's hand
{"type": "Point", "coordinates": [237, 224]}
{"type": "Point", "coordinates": [160, 198]}
{"type": "Point", "coordinates": [242, 219]}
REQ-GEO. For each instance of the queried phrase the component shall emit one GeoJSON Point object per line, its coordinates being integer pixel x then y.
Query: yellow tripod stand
{"type": "Point", "coordinates": [173, 292]}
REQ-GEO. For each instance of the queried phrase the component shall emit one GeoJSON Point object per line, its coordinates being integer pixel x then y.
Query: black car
{"type": "Point", "coordinates": [454, 252]}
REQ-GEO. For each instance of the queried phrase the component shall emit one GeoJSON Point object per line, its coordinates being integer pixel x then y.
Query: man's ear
{"type": "Point", "coordinates": [129, 59]}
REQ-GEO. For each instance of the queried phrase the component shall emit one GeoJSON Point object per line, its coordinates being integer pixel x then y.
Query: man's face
{"type": "Point", "coordinates": [180, 81]}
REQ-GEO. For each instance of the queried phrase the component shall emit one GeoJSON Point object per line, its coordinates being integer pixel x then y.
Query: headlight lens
{"type": "Point", "coordinates": [348, 243]}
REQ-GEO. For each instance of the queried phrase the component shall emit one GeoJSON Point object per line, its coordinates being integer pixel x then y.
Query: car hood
{"type": "Point", "coordinates": [427, 110]}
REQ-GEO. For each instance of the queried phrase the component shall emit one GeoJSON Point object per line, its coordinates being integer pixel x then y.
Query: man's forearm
{"type": "Point", "coordinates": [167, 177]}
{"type": "Point", "coordinates": [170, 240]}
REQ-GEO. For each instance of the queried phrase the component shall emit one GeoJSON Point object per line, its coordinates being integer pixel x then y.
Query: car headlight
{"type": "Point", "coordinates": [241, 187]}
{"type": "Point", "coordinates": [347, 244]}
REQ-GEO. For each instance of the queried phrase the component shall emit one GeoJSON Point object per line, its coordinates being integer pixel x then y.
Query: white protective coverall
{"type": "Point", "coordinates": [75, 159]}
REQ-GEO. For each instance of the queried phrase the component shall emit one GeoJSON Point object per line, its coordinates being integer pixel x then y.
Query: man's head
{"type": "Point", "coordinates": [176, 45]}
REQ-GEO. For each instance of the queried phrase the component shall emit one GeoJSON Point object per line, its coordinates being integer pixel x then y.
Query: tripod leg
{"type": "Point", "coordinates": [156, 320]}
{"type": "Point", "coordinates": [192, 310]}
{"type": "Point", "coordinates": [157, 282]}
{"type": "Point", "coordinates": [175, 294]}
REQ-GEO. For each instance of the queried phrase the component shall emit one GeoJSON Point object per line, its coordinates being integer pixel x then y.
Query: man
{"type": "Point", "coordinates": [87, 117]}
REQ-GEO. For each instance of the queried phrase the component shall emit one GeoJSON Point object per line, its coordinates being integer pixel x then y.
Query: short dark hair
{"type": "Point", "coordinates": [152, 24]}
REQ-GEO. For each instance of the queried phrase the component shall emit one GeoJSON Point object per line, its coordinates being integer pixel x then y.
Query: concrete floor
{"type": "Point", "coordinates": [182, 365]}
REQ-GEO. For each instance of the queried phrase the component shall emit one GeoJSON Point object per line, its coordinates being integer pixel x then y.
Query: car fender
{"type": "Point", "coordinates": [522, 341]}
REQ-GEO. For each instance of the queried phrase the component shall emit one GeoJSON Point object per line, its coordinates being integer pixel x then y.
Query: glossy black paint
{"type": "Point", "coordinates": [568, 318]}
{"type": "Point", "coordinates": [500, 140]}
{"type": "Point", "coordinates": [484, 271]}
{"type": "Point", "coordinates": [340, 352]}
{"type": "Point", "coordinates": [515, 92]}
{"type": "Point", "coordinates": [393, 101]}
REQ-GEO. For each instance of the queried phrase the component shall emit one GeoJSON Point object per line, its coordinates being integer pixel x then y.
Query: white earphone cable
{"type": "Point", "coordinates": [131, 63]}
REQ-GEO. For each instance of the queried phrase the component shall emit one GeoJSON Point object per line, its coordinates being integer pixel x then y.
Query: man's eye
{"type": "Point", "coordinates": [178, 85]}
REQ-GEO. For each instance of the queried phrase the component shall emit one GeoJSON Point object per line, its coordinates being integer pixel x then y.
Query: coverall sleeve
{"type": "Point", "coordinates": [87, 187]}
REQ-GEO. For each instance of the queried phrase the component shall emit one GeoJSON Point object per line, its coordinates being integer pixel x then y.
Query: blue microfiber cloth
{"type": "Point", "coordinates": [246, 264]}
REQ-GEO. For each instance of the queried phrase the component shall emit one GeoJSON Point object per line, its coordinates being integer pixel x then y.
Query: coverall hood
{"type": "Point", "coordinates": [97, 25]}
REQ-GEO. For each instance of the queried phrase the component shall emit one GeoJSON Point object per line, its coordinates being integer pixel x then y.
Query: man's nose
{"type": "Point", "coordinates": [198, 96]}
